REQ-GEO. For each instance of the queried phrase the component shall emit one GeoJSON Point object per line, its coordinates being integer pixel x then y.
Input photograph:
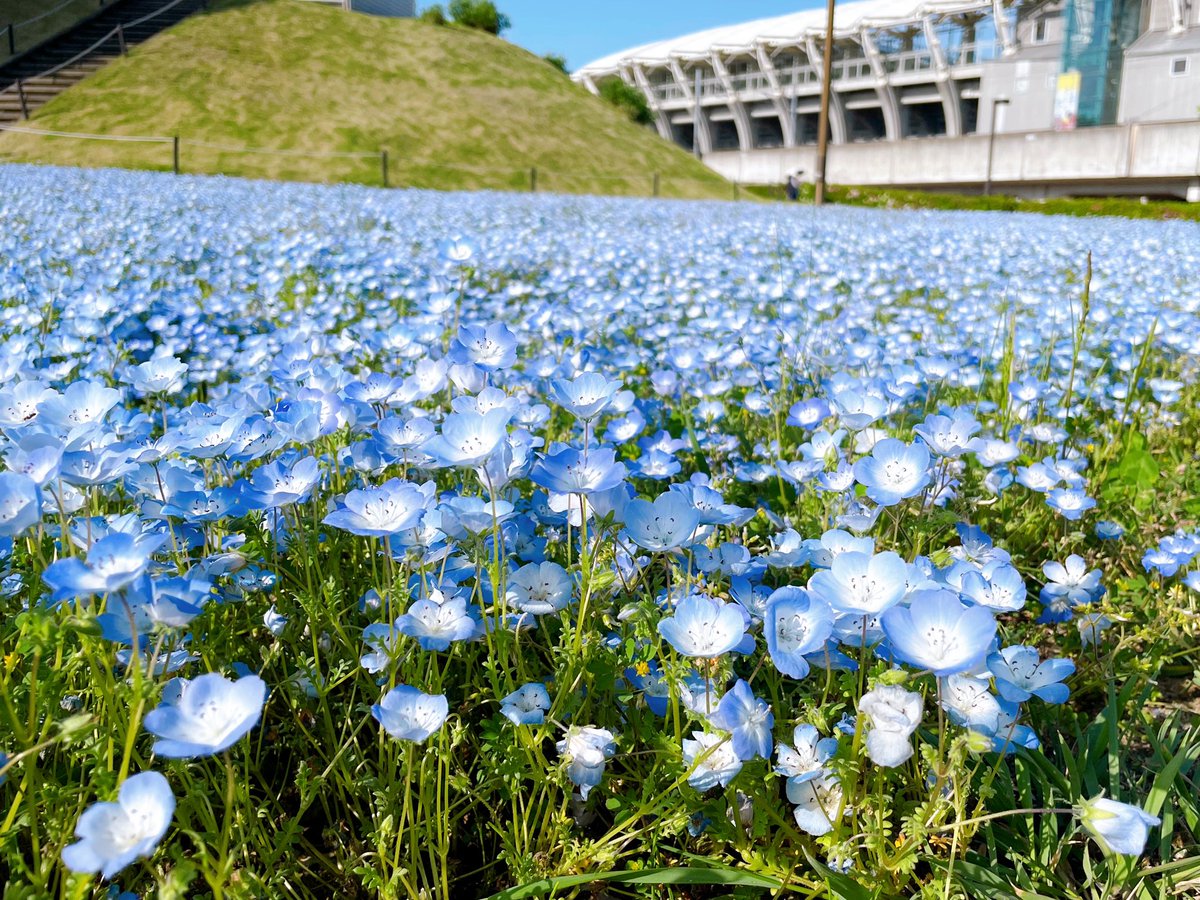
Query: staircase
{"type": "Point", "coordinates": [37, 76]}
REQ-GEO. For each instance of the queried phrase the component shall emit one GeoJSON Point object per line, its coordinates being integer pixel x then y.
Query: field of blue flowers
{"type": "Point", "coordinates": [358, 543]}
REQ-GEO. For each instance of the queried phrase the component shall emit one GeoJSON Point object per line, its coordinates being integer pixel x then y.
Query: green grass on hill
{"type": "Point", "coordinates": [32, 33]}
{"type": "Point", "coordinates": [454, 108]}
{"type": "Point", "coordinates": [891, 198]}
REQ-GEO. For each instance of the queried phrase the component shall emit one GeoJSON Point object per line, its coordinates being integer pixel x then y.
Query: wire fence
{"type": "Point", "coordinates": [17, 37]}
{"type": "Point", "coordinates": [380, 168]}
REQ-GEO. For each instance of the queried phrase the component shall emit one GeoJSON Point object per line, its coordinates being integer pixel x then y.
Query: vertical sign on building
{"type": "Point", "coordinates": [1066, 101]}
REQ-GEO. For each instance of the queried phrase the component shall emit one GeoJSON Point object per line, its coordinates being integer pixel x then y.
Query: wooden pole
{"type": "Point", "coordinates": [823, 117]}
{"type": "Point", "coordinates": [12, 41]}
{"type": "Point", "coordinates": [21, 95]}
{"type": "Point", "coordinates": [383, 164]}
{"type": "Point", "coordinates": [121, 39]}
{"type": "Point", "coordinates": [533, 180]}
{"type": "Point", "coordinates": [655, 184]}
{"type": "Point", "coordinates": [175, 153]}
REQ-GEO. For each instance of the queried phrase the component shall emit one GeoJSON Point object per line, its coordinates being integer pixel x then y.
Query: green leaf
{"type": "Point", "coordinates": [677, 875]}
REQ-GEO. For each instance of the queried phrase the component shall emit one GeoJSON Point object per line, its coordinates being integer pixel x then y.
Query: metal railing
{"type": "Point", "coordinates": [908, 62]}
{"type": "Point", "coordinates": [10, 43]}
{"type": "Point", "coordinates": [117, 33]}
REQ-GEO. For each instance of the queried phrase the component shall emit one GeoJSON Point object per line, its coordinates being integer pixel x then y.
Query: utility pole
{"type": "Point", "coordinates": [696, 113]}
{"type": "Point", "coordinates": [823, 118]}
{"type": "Point", "coordinates": [987, 182]}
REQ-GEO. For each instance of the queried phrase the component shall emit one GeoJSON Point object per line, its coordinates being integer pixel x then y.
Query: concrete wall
{"type": "Point", "coordinates": [1156, 158]}
{"type": "Point", "coordinates": [1149, 90]}
{"type": "Point", "coordinates": [1029, 80]}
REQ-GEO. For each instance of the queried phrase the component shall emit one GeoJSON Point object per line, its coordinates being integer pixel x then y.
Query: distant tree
{"type": "Point", "coordinates": [434, 15]}
{"type": "Point", "coordinates": [481, 14]}
{"type": "Point", "coordinates": [558, 61]}
{"type": "Point", "coordinates": [628, 99]}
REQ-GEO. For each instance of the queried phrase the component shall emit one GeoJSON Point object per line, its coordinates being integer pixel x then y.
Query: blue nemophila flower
{"type": "Point", "coordinates": [467, 439]}
{"type": "Point", "coordinates": [436, 625]}
{"type": "Point", "coordinates": [586, 750]}
{"type": "Point", "coordinates": [1109, 531]}
{"type": "Point", "coordinates": [489, 347]}
{"type": "Point", "coordinates": [817, 802]}
{"type": "Point", "coordinates": [704, 627]}
{"type": "Point", "coordinates": [409, 715]}
{"type": "Point", "coordinates": [82, 403]}
{"type": "Point", "coordinates": [748, 720]}
{"type": "Point", "coordinates": [19, 403]}
{"type": "Point", "coordinates": [862, 583]}
{"type": "Point", "coordinates": [20, 503]}
{"type": "Point", "coordinates": [795, 622]}
{"type": "Point", "coordinates": [383, 642]}
{"type": "Point", "coordinates": [999, 586]}
{"type": "Point", "coordinates": [279, 484]}
{"type": "Point", "coordinates": [1071, 504]}
{"type": "Point", "coordinates": [948, 435]}
{"type": "Point", "coordinates": [205, 715]}
{"type": "Point", "coordinates": [527, 705]}
{"type": "Point", "coordinates": [805, 758]}
{"type": "Point", "coordinates": [938, 632]}
{"type": "Point", "coordinates": [570, 471]}
{"type": "Point", "coordinates": [540, 588]}
{"type": "Point", "coordinates": [668, 523]}
{"type": "Point", "coordinates": [1068, 585]}
{"type": "Point", "coordinates": [712, 759]}
{"type": "Point", "coordinates": [1117, 827]}
{"type": "Point", "coordinates": [113, 562]}
{"type": "Point", "coordinates": [1021, 673]}
{"type": "Point", "coordinates": [112, 835]}
{"type": "Point", "coordinates": [585, 397]}
{"type": "Point", "coordinates": [893, 715]}
{"type": "Point", "coordinates": [857, 408]}
{"type": "Point", "coordinates": [894, 471]}
{"type": "Point", "coordinates": [159, 375]}
{"type": "Point", "coordinates": [383, 511]}
{"type": "Point", "coordinates": [808, 413]}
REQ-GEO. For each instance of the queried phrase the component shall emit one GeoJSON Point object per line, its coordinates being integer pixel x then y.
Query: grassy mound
{"type": "Point", "coordinates": [454, 108]}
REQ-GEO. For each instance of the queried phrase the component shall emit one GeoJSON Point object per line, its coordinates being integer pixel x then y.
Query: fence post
{"type": "Point", "coordinates": [655, 184]}
{"type": "Point", "coordinates": [735, 191]}
{"type": "Point", "coordinates": [21, 94]}
{"type": "Point", "coordinates": [533, 180]}
{"type": "Point", "coordinates": [12, 40]}
{"type": "Point", "coordinates": [121, 38]}
{"type": "Point", "coordinates": [383, 164]}
{"type": "Point", "coordinates": [175, 153]}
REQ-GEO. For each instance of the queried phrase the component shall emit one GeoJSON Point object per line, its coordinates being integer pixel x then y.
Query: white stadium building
{"type": "Point", "coordinates": [1038, 98]}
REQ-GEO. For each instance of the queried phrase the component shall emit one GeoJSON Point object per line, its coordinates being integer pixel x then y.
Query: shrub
{"type": "Point", "coordinates": [628, 99]}
{"type": "Point", "coordinates": [479, 14]}
{"type": "Point", "coordinates": [434, 15]}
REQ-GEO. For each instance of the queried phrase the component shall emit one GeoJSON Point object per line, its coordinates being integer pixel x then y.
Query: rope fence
{"type": "Point", "coordinates": [530, 178]}
{"type": "Point", "coordinates": [22, 35]}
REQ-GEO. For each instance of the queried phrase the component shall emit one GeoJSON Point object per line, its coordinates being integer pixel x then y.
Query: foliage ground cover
{"type": "Point", "coordinates": [454, 108]}
{"type": "Point", "coordinates": [364, 543]}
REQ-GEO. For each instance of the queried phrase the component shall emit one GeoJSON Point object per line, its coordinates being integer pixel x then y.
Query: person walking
{"type": "Point", "coordinates": [793, 188]}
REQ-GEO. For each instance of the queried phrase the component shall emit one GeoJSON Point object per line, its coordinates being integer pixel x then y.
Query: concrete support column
{"type": "Point", "coordinates": [837, 112]}
{"type": "Point", "coordinates": [1003, 28]}
{"type": "Point", "coordinates": [662, 120]}
{"type": "Point", "coordinates": [947, 90]}
{"type": "Point", "coordinates": [883, 87]}
{"type": "Point", "coordinates": [1193, 192]}
{"type": "Point", "coordinates": [786, 122]}
{"type": "Point", "coordinates": [701, 140]}
{"type": "Point", "coordinates": [741, 118]}
{"type": "Point", "coordinates": [590, 84]}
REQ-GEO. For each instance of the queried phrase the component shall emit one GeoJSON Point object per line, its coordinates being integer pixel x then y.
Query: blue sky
{"type": "Point", "coordinates": [583, 31]}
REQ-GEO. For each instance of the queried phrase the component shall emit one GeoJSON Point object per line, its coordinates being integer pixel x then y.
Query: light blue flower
{"type": "Point", "coordinates": [748, 720]}
{"type": "Point", "coordinates": [712, 759]}
{"type": "Point", "coordinates": [704, 627]}
{"type": "Point", "coordinates": [805, 758]}
{"type": "Point", "coordinates": [206, 715]}
{"type": "Point", "coordinates": [586, 750]}
{"type": "Point", "coordinates": [467, 439]}
{"type": "Point", "coordinates": [527, 705]}
{"type": "Point", "coordinates": [893, 715]}
{"type": "Point", "coordinates": [862, 583]}
{"type": "Point", "coordinates": [20, 503]}
{"type": "Point", "coordinates": [795, 623]}
{"type": "Point", "coordinates": [489, 347]}
{"type": "Point", "coordinates": [112, 563]}
{"type": "Point", "coordinates": [1071, 504]}
{"type": "Point", "coordinates": [436, 625]}
{"type": "Point", "coordinates": [937, 632]}
{"type": "Point", "coordinates": [571, 471]}
{"type": "Point", "coordinates": [817, 802]}
{"type": "Point", "coordinates": [894, 471]}
{"type": "Point", "coordinates": [1117, 827]}
{"type": "Point", "coordinates": [585, 397]}
{"type": "Point", "coordinates": [383, 511]}
{"type": "Point", "coordinates": [1020, 673]}
{"type": "Point", "coordinates": [113, 835]}
{"type": "Point", "coordinates": [409, 715]}
{"type": "Point", "coordinates": [666, 524]}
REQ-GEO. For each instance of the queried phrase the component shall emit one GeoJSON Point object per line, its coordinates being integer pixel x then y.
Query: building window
{"type": "Point", "coordinates": [1179, 65]}
{"type": "Point", "coordinates": [1039, 31]}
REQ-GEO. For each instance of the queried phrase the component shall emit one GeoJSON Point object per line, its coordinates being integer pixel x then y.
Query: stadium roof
{"type": "Point", "coordinates": [848, 19]}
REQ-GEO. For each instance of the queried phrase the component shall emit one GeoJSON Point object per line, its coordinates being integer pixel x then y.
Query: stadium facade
{"type": "Point", "coordinates": [1039, 98]}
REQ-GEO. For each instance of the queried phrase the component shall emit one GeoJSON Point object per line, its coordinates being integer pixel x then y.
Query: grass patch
{"type": "Point", "coordinates": [455, 108]}
{"type": "Point", "coordinates": [892, 198]}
